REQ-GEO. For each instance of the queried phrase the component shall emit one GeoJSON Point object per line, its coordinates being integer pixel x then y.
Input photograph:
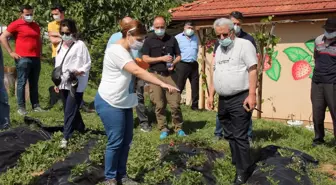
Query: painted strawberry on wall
{"type": "Point", "coordinates": [303, 61]}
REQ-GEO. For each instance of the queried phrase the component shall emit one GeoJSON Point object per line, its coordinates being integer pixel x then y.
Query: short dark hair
{"type": "Point", "coordinates": [237, 15]}
{"type": "Point", "coordinates": [58, 7]}
{"type": "Point", "coordinates": [71, 24]}
{"type": "Point", "coordinates": [25, 7]}
{"type": "Point", "coordinates": [189, 23]}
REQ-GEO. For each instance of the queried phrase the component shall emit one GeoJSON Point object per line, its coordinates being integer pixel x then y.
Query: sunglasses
{"type": "Point", "coordinates": [223, 34]}
{"type": "Point", "coordinates": [28, 14]}
{"type": "Point", "coordinates": [66, 33]}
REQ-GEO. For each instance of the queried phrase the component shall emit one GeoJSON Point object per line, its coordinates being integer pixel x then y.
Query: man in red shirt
{"type": "Point", "coordinates": [27, 56]}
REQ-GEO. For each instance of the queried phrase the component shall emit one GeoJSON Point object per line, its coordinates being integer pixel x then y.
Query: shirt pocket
{"type": "Point", "coordinates": [236, 64]}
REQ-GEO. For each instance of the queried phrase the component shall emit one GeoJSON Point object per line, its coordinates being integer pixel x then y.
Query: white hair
{"type": "Point", "coordinates": [223, 22]}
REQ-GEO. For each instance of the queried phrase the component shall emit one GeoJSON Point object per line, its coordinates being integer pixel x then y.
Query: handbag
{"type": "Point", "coordinates": [56, 75]}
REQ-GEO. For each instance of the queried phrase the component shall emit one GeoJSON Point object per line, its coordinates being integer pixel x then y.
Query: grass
{"type": "Point", "coordinates": [144, 155]}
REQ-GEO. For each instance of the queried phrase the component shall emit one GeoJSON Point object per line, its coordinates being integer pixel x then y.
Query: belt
{"type": "Point", "coordinates": [167, 73]}
{"type": "Point", "coordinates": [188, 62]}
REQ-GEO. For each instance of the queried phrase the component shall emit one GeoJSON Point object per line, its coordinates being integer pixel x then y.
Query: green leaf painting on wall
{"type": "Point", "coordinates": [310, 45]}
{"type": "Point", "coordinates": [272, 66]}
{"type": "Point", "coordinates": [274, 72]}
{"type": "Point", "coordinates": [296, 54]}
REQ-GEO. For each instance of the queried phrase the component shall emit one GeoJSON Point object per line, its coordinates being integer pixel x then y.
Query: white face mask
{"type": "Point", "coordinates": [28, 18]}
{"type": "Point", "coordinates": [136, 45]}
{"type": "Point", "coordinates": [189, 32]}
{"type": "Point", "coordinates": [330, 35]}
{"type": "Point", "coordinates": [237, 29]}
{"type": "Point", "coordinates": [57, 17]}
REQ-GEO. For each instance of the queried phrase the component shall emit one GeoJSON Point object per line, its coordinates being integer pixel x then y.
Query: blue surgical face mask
{"type": "Point", "coordinates": [160, 32]}
{"type": "Point", "coordinates": [67, 37]}
{"type": "Point", "coordinates": [189, 32]}
{"type": "Point", "coordinates": [136, 45]}
{"type": "Point", "coordinates": [237, 29]}
{"type": "Point", "coordinates": [225, 42]}
{"type": "Point", "coordinates": [330, 35]}
{"type": "Point", "coordinates": [28, 18]}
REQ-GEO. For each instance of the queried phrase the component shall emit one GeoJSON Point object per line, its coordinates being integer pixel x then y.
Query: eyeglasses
{"type": "Point", "coordinates": [28, 14]}
{"type": "Point", "coordinates": [160, 27]}
{"type": "Point", "coordinates": [223, 34]}
{"type": "Point", "coordinates": [66, 33]}
{"type": "Point", "coordinates": [329, 31]}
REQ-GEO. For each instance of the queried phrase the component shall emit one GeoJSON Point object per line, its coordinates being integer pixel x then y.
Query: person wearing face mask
{"type": "Point", "coordinates": [323, 87]}
{"type": "Point", "coordinates": [73, 55]}
{"type": "Point", "coordinates": [187, 68]}
{"type": "Point", "coordinates": [27, 56]}
{"type": "Point", "coordinates": [57, 12]}
{"type": "Point", "coordinates": [237, 19]}
{"type": "Point", "coordinates": [234, 78]}
{"type": "Point", "coordinates": [116, 97]}
{"type": "Point", "coordinates": [141, 107]}
{"type": "Point", "coordinates": [162, 53]}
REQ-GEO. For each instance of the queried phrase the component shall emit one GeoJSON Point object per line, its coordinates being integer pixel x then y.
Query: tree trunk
{"type": "Point", "coordinates": [259, 101]}
{"type": "Point", "coordinates": [9, 79]}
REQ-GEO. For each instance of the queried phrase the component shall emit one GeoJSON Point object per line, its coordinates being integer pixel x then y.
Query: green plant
{"type": "Point", "coordinates": [79, 170]}
{"type": "Point", "coordinates": [272, 181]}
{"type": "Point", "coordinates": [197, 160]}
{"type": "Point", "coordinates": [189, 177]}
{"type": "Point", "coordinates": [266, 41]}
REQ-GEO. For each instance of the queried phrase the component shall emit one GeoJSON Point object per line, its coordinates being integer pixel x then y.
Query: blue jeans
{"type": "Point", "coordinates": [28, 68]}
{"type": "Point", "coordinates": [4, 106]}
{"type": "Point", "coordinates": [118, 124]}
{"type": "Point", "coordinates": [219, 129]}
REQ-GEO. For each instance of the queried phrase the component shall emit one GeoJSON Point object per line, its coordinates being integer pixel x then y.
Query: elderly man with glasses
{"type": "Point", "coordinates": [235, 80]}
{"type": "Point", "coordinates": [237, 19]}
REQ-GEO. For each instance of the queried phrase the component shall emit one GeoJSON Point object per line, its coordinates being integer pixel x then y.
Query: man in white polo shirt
{"type": "Point", "coordinates": [235, 81]}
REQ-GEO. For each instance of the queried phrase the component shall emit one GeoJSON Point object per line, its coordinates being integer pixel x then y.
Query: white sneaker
{"type": "Point", "coordinates": [64, 143]}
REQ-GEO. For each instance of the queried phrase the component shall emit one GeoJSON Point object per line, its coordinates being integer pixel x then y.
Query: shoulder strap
{"type": "Point", "coordinates": [65, 53]}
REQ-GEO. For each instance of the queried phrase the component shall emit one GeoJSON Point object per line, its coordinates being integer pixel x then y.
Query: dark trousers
{"type": "Point", "coordinates": [189, 71]}
{"type": "Point", "coordinates": [219, 129]}
{"type": "Point", "coordinates": [141, 108]}
{"type": "Point", "coordinates": [72, 116]}
{"type": "Point", "coordinates": [323, 96]}
{"type": "Point", "coordinates": [236, 121]}
{"type": "Point", "coordinates": [28, 68]}
{"type": "Point", "coordinates": [4, 105]}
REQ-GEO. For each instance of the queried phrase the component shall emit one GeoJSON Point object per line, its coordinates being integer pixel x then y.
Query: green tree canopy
{"type": "Point", "coordinates": [96, 19]}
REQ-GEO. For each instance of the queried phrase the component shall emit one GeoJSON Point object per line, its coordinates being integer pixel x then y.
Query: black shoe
{"type": "Point", "coordinates": [196, 109]}
{"type": "Point", "coordinates": [318, 142]}
{"type": "Point", "coordinates": [240, 179]}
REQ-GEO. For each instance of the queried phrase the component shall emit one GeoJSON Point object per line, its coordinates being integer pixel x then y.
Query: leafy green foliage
{"type": "Point", "coordinates": [96, 20]}
{"type": "Point", "coordinates": [192, 177]}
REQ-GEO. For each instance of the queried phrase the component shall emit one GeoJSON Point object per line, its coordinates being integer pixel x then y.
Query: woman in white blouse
{"type": "Point", "coordinates": [75, 58]}
{"type": "Point", "coordinates": [116, 97]}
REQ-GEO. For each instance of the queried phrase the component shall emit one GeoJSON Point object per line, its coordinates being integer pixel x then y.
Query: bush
{"type": "Point", "coordinates": [97, 52]}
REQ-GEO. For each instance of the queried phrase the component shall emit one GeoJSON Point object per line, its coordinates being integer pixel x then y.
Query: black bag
{"type": "Point", "coordinates": [56, 75]}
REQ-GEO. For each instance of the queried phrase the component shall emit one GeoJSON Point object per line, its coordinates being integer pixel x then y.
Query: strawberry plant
{"type": "Point", "coordinates": [303, 61]}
